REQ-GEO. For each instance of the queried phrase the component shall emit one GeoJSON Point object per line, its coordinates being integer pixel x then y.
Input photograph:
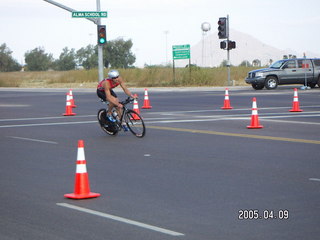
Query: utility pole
{"type": "Point", "coordinates": [96, 21]}
{"type": "Point", "coordinates": [228, 53]}
{"type": "Point", "coordinates": [223, 33]}
{"type": "Point", "coordinates": [100, 50]}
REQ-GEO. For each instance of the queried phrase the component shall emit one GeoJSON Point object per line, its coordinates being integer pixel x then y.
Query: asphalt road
{"type": "Point", "coordinates": [198, 174]}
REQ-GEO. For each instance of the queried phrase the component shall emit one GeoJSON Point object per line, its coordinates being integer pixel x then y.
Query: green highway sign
{"type": "Point", "coordinates": [182, 54]}
{"type": "Point", "coordinates": [181, 51]}
{"type": "Point", "coordinates": [177, 47]}
{"type": "Point", "coordinates": [89, 14]}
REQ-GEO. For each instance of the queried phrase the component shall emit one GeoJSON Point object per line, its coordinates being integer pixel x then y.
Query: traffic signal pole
{"type": "Point", "coordinates": [96, 21]}
{"type": "Point", "coordinates": [100, 50]}
{"type": "Point", "coordinates": [228, 53]}
{"type": "Point", "coordinates": [223, 33]}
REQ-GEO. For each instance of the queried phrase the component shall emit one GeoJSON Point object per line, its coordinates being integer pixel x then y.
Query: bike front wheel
{"type": "Point", "coordinates": [135, 123]}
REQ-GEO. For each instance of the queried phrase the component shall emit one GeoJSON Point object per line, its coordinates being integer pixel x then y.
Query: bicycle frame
{"type": "Point", "coordinates": [124, 110]}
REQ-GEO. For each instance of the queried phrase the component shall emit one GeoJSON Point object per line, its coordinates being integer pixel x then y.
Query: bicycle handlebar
{"type": "Point", "coordinates": [128, 100]}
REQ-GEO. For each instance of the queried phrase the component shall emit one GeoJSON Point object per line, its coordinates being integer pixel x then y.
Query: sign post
{"type": "Point", "coordinates": [223, 28]}
{"type": "Point", "coordinates": [180, 52]}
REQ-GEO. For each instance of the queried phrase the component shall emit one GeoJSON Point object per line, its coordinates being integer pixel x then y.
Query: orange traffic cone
{"type": "Point", "coordinates": [68, 107]}
{"type": "Point", "coordinates": [146, 103]}
{"type": "Point", "coordinates": [71, 99]}
{"type": "Point", "coordinates": [226, 101]}
{"type": "Point", "coordinates": [254, 116]}
{"type": "Point", "coordinates": [81, 187]}
{"type": "Point", "coordinates": [295, 103]}
{"type": "Point", "coordinates": [136, 107]}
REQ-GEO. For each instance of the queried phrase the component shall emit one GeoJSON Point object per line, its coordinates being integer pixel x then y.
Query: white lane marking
{"type": "Point", "coordinates": [171, 113]}
{"type": "Point", "coordinates": [48, 118]}
{"type": "Point", "coordinates": [235, 109]}
{"type": "Point", "coordinates": [121, 219]}
{"type": "Point", "coordinates": [46, 124]}
{"type": "Point", "coordinates": [33, 140]}
{"type": "Point", "coordinates": [14, 105]}
{"type": "Point", "coordinates": [178, 121]}
{"type": "Point", "coordinates": [233, 118]}
{"type": "Point", "coordinates": [40, 118]}
{"type": "Point", "coordinates": [296, 122]}
{"type": "Point", "coordinates": [186, 119]}
{"type": "Point", "coordinates": [314, 179]}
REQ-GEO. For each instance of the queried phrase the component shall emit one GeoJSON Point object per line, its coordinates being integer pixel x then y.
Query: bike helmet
{"type": "Point", "coordinates": [113, 74]}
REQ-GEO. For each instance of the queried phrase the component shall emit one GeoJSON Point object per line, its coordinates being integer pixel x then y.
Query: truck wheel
{"type": "Point", "coordinates": [257, 86]}
{"type": "Point", "coordinates": [271, 83]}
{"type": "Point", "coordinates": [312, 85]}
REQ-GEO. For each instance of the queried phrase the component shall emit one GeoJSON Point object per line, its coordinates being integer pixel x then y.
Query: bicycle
{"type": "Point", "coordinates": [131, 118]}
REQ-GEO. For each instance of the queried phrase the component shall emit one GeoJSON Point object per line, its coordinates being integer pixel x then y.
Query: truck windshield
{"type": "Point", "coordinates": [277, 64]}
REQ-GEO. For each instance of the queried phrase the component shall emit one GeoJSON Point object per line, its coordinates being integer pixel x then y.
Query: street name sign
{"type": "Point", "coordinates": [89, 14]}
{"type": "Point", "coordinates": [181, 51]}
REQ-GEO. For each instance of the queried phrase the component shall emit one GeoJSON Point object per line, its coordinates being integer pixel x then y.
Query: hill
{"type": "Point", "coordinates": [207, 52]}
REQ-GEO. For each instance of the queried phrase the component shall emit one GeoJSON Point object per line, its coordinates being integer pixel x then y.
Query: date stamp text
{"type": "Point", "coordinates": [254, 214]}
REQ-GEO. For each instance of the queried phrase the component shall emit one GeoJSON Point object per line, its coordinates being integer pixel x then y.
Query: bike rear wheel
{"type": "Point", "coordinates": [105, 124]}
{"type": "Point", "coordinates": [135, 123]}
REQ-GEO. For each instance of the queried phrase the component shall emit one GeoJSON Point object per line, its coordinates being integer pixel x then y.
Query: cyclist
{"type": "Point", "coordinates": [106, 93]}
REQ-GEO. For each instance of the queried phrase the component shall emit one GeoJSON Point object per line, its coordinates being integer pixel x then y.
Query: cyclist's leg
{"type": "Point", "coordinates": [101, 95]}
{"type": "Point", "coordinates": [119, 110]}
{"type": "Point", "coordinates": [110, 116]}
{"type": "Point", "coordinates": [112, 106]}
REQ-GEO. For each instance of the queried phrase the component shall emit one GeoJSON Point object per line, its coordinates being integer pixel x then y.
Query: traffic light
{"type": "Point", "coordinates": [223, 28]}
{"type": "Point", "coordinates": [231, 45]}
{"type": "Point", "coordinates": [223, 45]}
{"type": "Point", "coordinates": [102, 36]}
{"type": "Point", "coordinates": [227, 45]}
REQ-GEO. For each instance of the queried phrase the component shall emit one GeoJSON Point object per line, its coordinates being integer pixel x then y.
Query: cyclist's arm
{"type": "Point", "coordinates": [125, 89]}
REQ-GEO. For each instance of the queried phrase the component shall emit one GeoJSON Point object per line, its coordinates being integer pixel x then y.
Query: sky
{"type": "Point", "coordinates": [154, 26]}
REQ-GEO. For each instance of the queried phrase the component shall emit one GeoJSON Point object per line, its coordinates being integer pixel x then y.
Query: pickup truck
{"type": "Point", "coordinates": [304, 71]}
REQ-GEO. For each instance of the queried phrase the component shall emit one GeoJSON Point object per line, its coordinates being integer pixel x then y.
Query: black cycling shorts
{"type": "Point", "coordinates": [102, 94]}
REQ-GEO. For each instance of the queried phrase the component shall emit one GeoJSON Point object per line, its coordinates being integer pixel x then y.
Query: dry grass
{"type": "Point", "coordinates": [136, 77]}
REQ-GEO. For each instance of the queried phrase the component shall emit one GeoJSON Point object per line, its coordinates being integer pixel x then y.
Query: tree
{"type": "Point", "coordinates": [117, 53]}
{"type": "Point", "coordinates": [7, 63]}
{"type": "Point", "coordinates": [245, 63]}
{"type": "Point", "coordinates": [256, 63]}
{"type": "Point", "coordinates": [38, 60]}
{"type": "Point", "coordinates": [88, 57]}
{"type": "Point", "coordinates": [66, 61]}
{"type": "Point", "coordinates": [224, 63]}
